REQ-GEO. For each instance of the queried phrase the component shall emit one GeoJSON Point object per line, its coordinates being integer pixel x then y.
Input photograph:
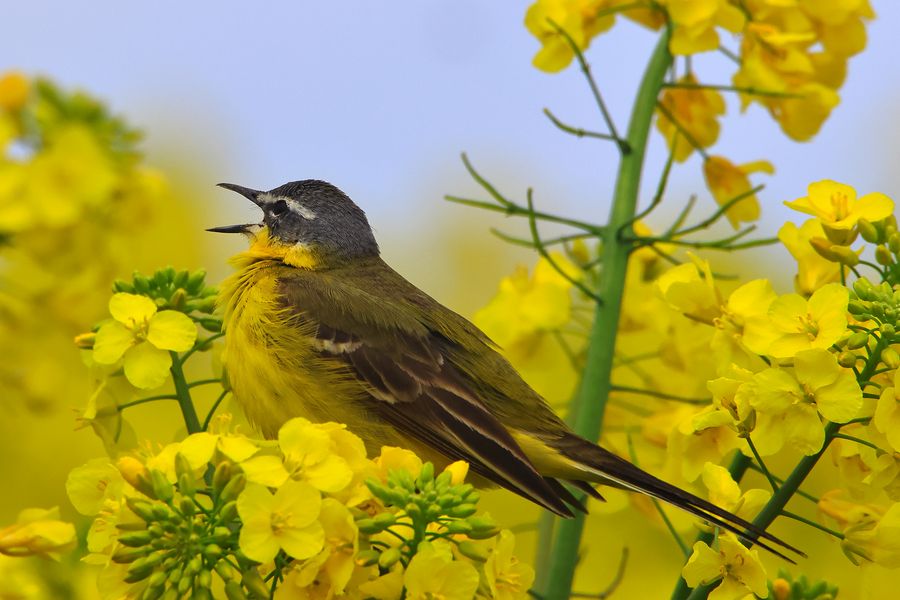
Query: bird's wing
{"type": "Point", "coordinates": [411, 384]}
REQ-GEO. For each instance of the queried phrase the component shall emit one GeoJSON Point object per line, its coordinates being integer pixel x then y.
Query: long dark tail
{"type": "Point", "coordinates": [613, 470]}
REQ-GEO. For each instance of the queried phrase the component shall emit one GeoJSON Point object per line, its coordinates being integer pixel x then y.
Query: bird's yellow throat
{"type": "Point", "coordinates": [265, 247]}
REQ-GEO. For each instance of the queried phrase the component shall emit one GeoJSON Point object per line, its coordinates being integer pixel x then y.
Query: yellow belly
{"type": "Point", "coordinates": [274, 370]}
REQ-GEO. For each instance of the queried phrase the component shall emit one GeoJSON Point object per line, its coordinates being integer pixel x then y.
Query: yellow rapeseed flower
{"type": "Point", "coordinates": [725, 492]}
{"type": "Point", "coordinates": [838, 209]}
{"type": "Point", "coordinates": [310, 455]}
{"type": "Point", "coordinates": [14, 90]}
{"type": "Point", "coordinates": [738, 568]}
{"type": "Point", "coordinates": [142, 338]}
{"type": "Point", "coordinates": [578, 18]}
{"type": "Point", "coordinates": [887, 413]}
{"type": "Point", "coordinates": [726, 181]}
{"type": "Point", "coordinates": [696, 21]}
{"type": "Point", "coordinates": [696, 111]}
{"type": "Point", "coordinates": [507, 578]}
{"type": "Point", "coordinates": [794, 323]}
{"type": "Point", "coordinates": [37, 532]}
{"type": "Point", "coordinates": [788, 404]}
{"type": "Point", "coordinates": [94, 485]}
{"type": "Point", "coordinates": [432, 573]}
{"type": "Point", "coordinates": [286, 520]}
{"type": "Point", "coordinates": [813, 271]}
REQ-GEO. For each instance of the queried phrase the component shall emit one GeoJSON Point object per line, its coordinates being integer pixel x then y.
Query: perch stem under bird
{"type": "Point", "coordinates": [319, 326]}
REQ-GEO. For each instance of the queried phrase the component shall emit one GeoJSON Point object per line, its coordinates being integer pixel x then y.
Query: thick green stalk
{"type": "Point", "coordinates": [183, 392]}
{"type": "Point", "coordinates": [590, 402]}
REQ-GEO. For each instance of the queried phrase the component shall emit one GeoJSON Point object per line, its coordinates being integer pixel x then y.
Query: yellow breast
{"type": "Point", "coordinates": [273, 365]}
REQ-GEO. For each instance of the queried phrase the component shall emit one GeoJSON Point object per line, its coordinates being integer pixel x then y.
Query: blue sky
{"type": "Point", "coordinates": [380, 99]}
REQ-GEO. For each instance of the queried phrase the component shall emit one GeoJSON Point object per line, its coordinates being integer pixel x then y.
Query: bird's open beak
{"type": "Point", "coordinates": [252, 196]}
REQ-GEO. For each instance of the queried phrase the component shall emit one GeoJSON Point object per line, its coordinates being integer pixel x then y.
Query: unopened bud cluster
{"type": "Point", "coordinates": [877, 305]}
{"type": "Point", "coordinates": [784, 587]}
{"type": "Point", "coordinates": [882, 234]}
{"type": "Point", "coordinates": [186, 535]}
{"type": "Point", "coordinates": [183, 291]}
{"type": "Point", "coordinates": [428, 508]}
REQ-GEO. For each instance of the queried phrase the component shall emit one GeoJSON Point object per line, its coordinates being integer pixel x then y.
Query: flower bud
{"type": "Point", "coordinates": [886, 329]}
{"type": "Point", "coordinates": [233, 591]}
{"type": "Point", "coordinates": [385, 519]}
{"type": "Point", "coordinates": [858, 340]}
{"type": "Point", "coordinates": [233, 488]}
{"type": "Point", "coordinates": [255, 584]}
{"type": "Point", "coordinates": [890, 358]}
{"type": "Point", "coordinates": [367, 558]}
{"type": "Point", "coordinates": [868, 231]}
{"type": "Point", "coordinates": [180, 279]}
{"type": "Point", "coordinates": [389, 558]}
{"type": "Point", "coordinates": [135, 473]}
{"type": "Point", "coordinates": [221, 477]}
{"type": "Point", "coordinates": [461, 511]}
{"type": "Point", "coordinates": [883, 256]}
{"type": "Point", "coordinates": [212, 551]}
{"type": "Point", "coordinates": [135, 540]}
{"type": "Point", "coordinates": [129, 555]}
{"type": "Point", "coordinates": [864, 289]}
{"type": "Point", "coordinates": [162, 488]}
{"type": "Point", "coordinates": [141, 508]}
{"type": "Point", "coordinates": [426, 476]}
{"type": "Point", "coordinates": [856, 308]}
{"type": "Point", "coordinates": [85, 341]}
{"type": "Point", "coordinates": [195, 281]}
{"type": "Point", "coordinates": [228, 512]}
{"type": "Point", "coordinates": [847, 359]}
{"type": "Point", "coordinates": [459, 526]}
{"type": "Point", "coordinates": [368, 526]}
{"type": "Point", "coordinates": [894, 244]}
{"type": "Point", "coordinates": [471, 550]}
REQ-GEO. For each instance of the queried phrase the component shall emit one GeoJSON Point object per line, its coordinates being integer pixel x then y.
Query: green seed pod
{"type": "Point", "coordinates": [204, 578]}
{"type": "Point", "coordinates": [856, 308]}
{"type": "Point", "coordinates": [225, 571]}
{"type": "Point", "coordinates": [212, 551]}
{"type": "Point", "coordinates": [883, 256]}
{"type": "Point", "coordinates": [847, 359]}
{"type": "Point", "coordinates": [228, 512]}
{"type": "Point", "coordinates": [129, 555]}
{"type": "Point", "coordinates": [864, 289]}
{"type": "Point", "coordinates": [234, 591]}
{"type": "Point", "coordinates": [461, 511]}
{"type": "Point", "coordinates": [162, 489]}
{"type": "Point", "coordinates": [426, 475]}
{"type": "Point", "coordinates": [136, 539]}
{"type": "Point", "coordinates": [221, 477]}
{"type": "Point", "coordinates": [858, 340]}
{"type": "Point", "coordinates": [120, 285]}
{"type": "Point", "coordinates": [233, 488]}
{"type": "Point", "coordinates": [385, 519]}
{"type": "Point", "coordinates": [389, 558]}
{"type": "Point", "coordinates": [473, 551]}
{"type": "Point", "coordinates": [890, 358]}
{"type": "Point", "coordinates": [195, 281]}
{"type": "Point", "coordinates": [254, 583]}
{"type": "Point", "coordinates": [369, 526]}
{"type": "Point", "coordinates": [460, 526]}
{"type": "Point", "coordinates": [868, 231]}
{"type": "Point", "coordinates": [141, 508]}
{"type": "Point", "coordinates": [367, 558]}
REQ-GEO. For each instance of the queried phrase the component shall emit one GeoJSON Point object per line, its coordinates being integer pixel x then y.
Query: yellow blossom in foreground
{"type": "Point", "coordinates": [794, 323]}
{"type": "Point", "coordinates": [310, 455]}
{"type": "Point", "coordinates": [728, 181]}
{"type": "Point", "coordinates": [696, 22]}
{"type": "Point", "coordinates": [748, 302]}
{"type": "Point", "coordinates": [738, 568]}
{"type": "Point", "coordinates": [788, 405]}
{"type": "Point", "coordinates": [578, 18]}
{"type": "Point", "coordinates": [887, 413]}
{"type": "Point", "coordinates": [37, 531]}
{"type": "Point", "coordinates": [142, 338]}
{"type": "Point", "coordinates": [286, 520]}
{"type": "Point", "coordinates": [871, 532]}
{"type": "Point", "coordinates": [837, 207]}
{"type": "Point", "coordinates": [696, 110]}
{"type": "Point", "coordinates": [432, 573]}
{"type": "Point", "coordinates": [14, 89]}
{"type": "Point", "coordinates": [506, 576]}
{"type": "Point", "coordinates": [91, 486]}
{"type": "Point", "coordinates": [725, 492]}
{"type": "Point", "coordinates": [813, 271]}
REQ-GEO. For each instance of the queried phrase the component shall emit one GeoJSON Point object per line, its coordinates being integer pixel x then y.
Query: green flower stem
{"type": "Point", "coordinates": [183, 391]}
{"type": "Point", "coordinates": [737, 468]}
{"type": "Point", "coordinates": [589, 403]}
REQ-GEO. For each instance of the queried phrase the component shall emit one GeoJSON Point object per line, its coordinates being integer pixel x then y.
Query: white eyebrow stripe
{"type": "Point", "coordinates": [295, 206]}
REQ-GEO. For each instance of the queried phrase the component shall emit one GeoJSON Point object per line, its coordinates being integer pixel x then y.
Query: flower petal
{"type": "Point", "coordinates": [131, 309]}
{"type": "Point", "coordinates": [147, 367]}
{"type": "Point", "coordinates": [111, 342]}
{"type": "Point", "coordinates": [303, 542]}
{"type": "Point", "coordinates": [172, 330]}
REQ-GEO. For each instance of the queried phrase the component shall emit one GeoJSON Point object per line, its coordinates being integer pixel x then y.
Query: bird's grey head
{"type": "Point", "coordinates": [312, 213]}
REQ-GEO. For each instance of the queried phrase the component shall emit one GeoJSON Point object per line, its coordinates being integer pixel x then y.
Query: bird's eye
{"type": "Point", "coordinates": [279, 208]}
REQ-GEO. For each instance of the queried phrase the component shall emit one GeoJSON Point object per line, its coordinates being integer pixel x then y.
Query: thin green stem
{"type": "Point", "coordinates": [750, 91]}
{"type": "Point", "coordinates": [201, 345]}
{"type": "Point", "coordinates": [183, 394]}
{"type": "Point", "coordinates": [762, 465]}
{"type": "Point", "coordinates": [577, 131]}
{"type": "Point", "coordinates": [530, 243]}
{"type": "Point", "coordinates": [852, 438]}
{"type": "Point", "coordinates": [661, 395]}
{"type": "Point", "coordinates": [213, 408]}
{"type": "Point", "coordinates": [122, 407]}
{"type": "Point", "coordinates": [800, 493]}
{"type": "Point", "coordinates": [589, 403]}
{"type": "Point", "coordinates": [720, 212]}
{"type": "Point", "coordinates": [812, 523]}
{"type": "Point", "coordinates": [200, 382]}
{"type": "Point", "coordinates": [682, 130]}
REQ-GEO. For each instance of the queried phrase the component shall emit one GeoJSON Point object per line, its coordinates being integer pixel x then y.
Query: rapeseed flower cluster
{"type": "Point", "coordinates": [307, 516]}
{"type": "Point", "coordinates": [77, 208]}
{"type": "Point", "coordinates": [788, 374]}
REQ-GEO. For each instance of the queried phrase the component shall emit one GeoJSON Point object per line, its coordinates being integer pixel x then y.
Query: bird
{"type": "Point", "coordinates": [319, 326]}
